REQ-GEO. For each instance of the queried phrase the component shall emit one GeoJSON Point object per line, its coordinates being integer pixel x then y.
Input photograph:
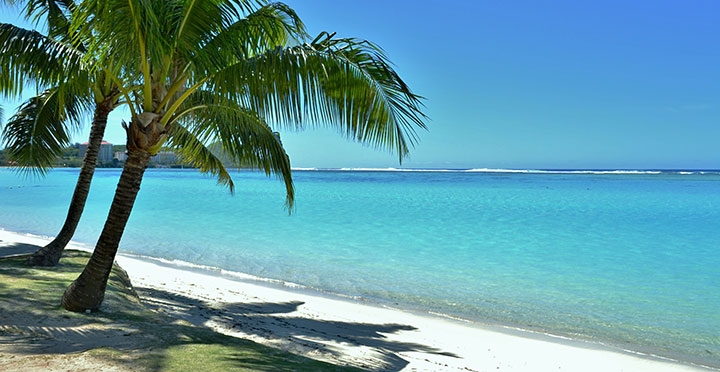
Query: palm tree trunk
{"type": "Point", "coordinates": [88, 290]}
{"type": "Point", "coordinates": [50, 254]}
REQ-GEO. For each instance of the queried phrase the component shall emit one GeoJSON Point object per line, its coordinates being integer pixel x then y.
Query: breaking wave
{"type": "Point", "coordinates": [525, 171]}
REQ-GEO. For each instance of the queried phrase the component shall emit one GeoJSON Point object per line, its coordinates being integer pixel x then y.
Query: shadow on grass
{"type": "Point", "coordinates": [127, 332]}
{"type": "Point", "coordinates": [263, 320]}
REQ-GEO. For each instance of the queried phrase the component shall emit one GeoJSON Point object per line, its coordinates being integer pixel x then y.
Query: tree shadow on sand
{"type": "Point", "coordinates": [275, 322]}
{"type": "Point", "coordinates": [126, 332]}
{"type": "Point", "coordinates": [10, 249]}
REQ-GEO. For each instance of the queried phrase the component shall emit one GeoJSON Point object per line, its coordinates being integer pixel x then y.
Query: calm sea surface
{"type": "Point", "coordinates": [630, 259]}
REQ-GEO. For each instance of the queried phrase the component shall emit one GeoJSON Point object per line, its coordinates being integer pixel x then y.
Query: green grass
{"type": "Point", "coordinates": [124, 333]}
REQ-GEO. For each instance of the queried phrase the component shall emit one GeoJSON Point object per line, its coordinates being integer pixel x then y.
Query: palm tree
{"type": "Point", "coordinates": [225, 72]}
{"type": "Point", "coordinates": [38, 132]}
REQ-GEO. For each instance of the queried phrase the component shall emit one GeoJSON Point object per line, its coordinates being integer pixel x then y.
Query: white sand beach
{"type": "Point", "coordinates": [347, 332]}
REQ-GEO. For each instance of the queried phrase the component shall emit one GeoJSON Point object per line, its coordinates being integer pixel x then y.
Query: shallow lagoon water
{"type": "Point", "coordinates": [628, 259]}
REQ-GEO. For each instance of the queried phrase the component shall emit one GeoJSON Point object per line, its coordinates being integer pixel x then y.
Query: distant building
{"type": "Point", "coordinates": [120, 155]}
{"type": "Point", "coordinates": [106, 151]}
{"type": "Point", "coordinates": [165, 158]}
{"type": "Point", "coordinates": [161, 158]}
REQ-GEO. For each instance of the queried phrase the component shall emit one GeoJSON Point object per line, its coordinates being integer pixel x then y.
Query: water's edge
{"type": "Point", "coordinates": [576, 340]}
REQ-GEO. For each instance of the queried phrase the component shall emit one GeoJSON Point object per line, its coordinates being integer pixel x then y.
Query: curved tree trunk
{"type": "Point", "coordinates": [50, 254]}
{"type": "Point", "coordinates": [88, 290]}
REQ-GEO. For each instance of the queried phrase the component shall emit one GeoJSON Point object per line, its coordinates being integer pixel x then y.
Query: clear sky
{"type": "Point", "coordinates": [529, 84]}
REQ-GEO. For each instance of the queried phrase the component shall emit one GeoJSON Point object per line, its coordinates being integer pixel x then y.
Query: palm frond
{"type": "Point", "coordinates": [27, 55]}
{"type": "Point", "coordinates": [135, 27]}
{"type": "Point", "coordinates": [56, 13]}
{"type": "Point", "coordinates": [39, 132]}
{"type": "Point", "coordinates": [192, 20]}
{"type": "Point", "coordinates": [194, 153]}
{"type": "Point", "coordinates": [344, 83]}
{"type": "Point", "coordinates": [241, 134]}
{"type": "Point", "coordinates": [272, 25]}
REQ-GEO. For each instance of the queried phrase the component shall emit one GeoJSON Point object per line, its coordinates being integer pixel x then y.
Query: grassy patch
{"type": "Point", "coordinates": [124, 334]}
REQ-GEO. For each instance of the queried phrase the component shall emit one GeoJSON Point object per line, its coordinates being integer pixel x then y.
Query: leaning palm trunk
{"type": "Point", "coordinates": [88, 290]}
{"type": "Point", "coordinates": [50, 254]}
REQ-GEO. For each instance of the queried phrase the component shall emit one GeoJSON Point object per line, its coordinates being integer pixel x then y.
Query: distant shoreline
{"type": "Point", "coordinates": [598, 171]}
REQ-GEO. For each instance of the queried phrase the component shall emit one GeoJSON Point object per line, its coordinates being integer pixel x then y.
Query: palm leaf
{"type": "Point", "coordinates": [241, 134]}
{"type": "Point", "coordinates": [342, 83]}
{"type": "Point", "coordinates": [55, 13]}
{"type": "Point", "coordinates": [194, 153]}
{"type": "Point", "coordinates": [39, 132]}
{"type": "Point", "coordinates": [266, 28]}
{"type": "Point", "coordinates": [27, 55]}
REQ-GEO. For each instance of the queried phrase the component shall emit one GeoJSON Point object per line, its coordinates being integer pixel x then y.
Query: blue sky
{"type": "Point", "coordinates": [528, 84]}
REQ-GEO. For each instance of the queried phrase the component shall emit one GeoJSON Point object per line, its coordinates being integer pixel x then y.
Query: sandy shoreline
{"type": "Point", "coordinates": [343, 331]}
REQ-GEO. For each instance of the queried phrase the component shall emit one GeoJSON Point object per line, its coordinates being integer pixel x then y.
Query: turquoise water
{"type": "Point", "coordinates": [630, 259]}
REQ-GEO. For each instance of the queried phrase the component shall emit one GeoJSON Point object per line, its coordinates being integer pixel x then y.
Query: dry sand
{"type": "Point", "coordinates": [343, 331]}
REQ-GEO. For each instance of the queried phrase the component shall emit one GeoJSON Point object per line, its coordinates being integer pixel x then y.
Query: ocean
{"type": "Point", "coordinates": [627, 258]}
